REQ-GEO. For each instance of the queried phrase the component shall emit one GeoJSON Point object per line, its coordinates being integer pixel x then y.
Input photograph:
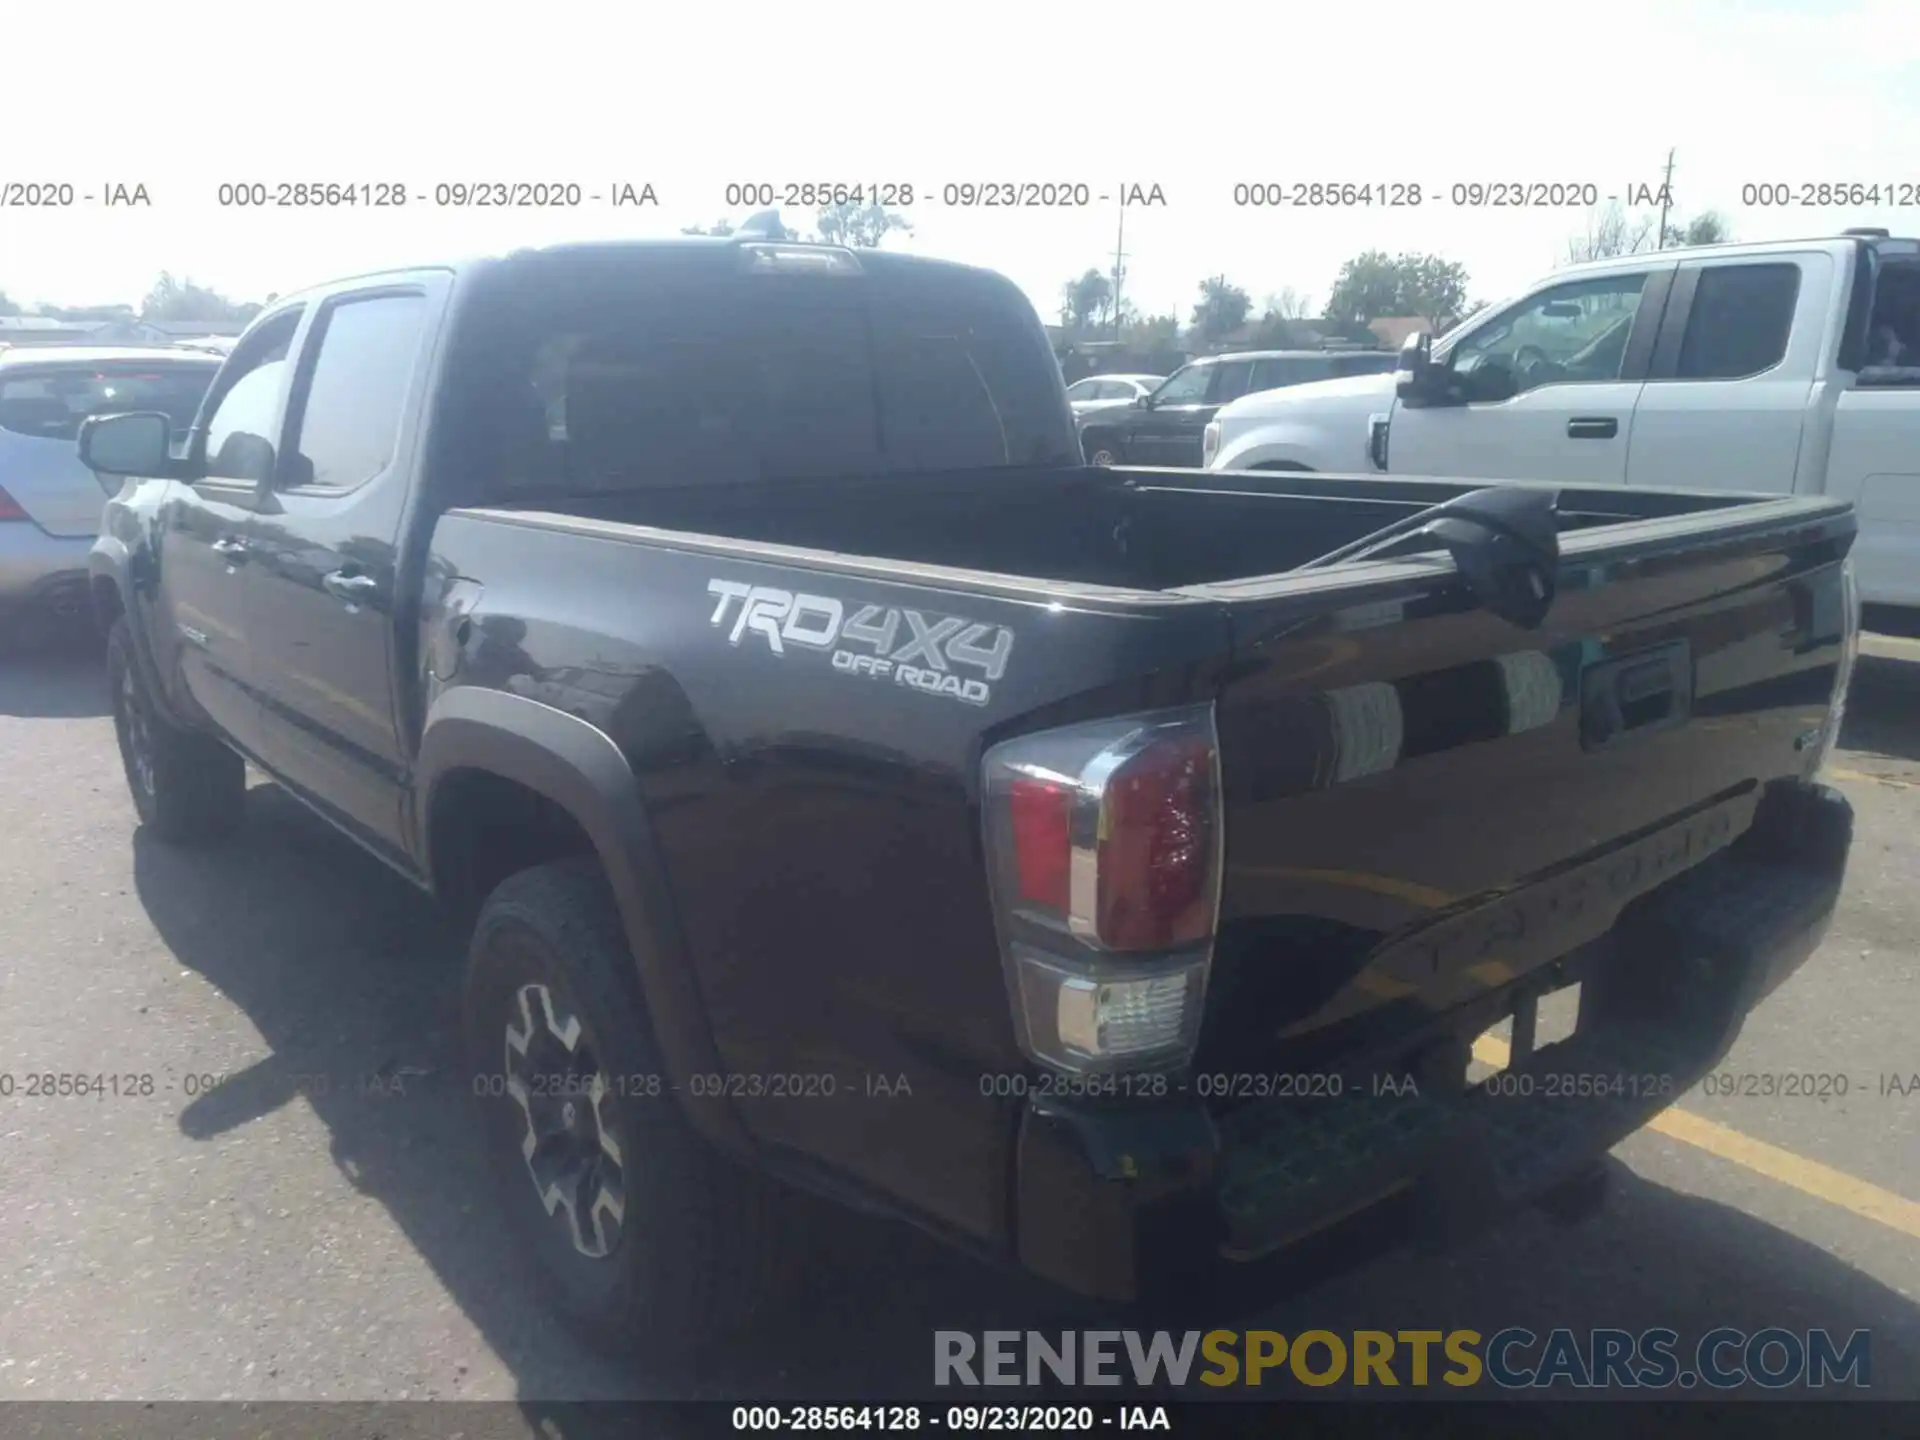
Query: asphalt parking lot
{"type": "Point", "coordinates": [292, 1234]}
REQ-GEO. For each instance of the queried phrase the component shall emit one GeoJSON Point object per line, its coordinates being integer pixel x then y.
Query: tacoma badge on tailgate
{"type": "Point", "coordinates": [929, 648]}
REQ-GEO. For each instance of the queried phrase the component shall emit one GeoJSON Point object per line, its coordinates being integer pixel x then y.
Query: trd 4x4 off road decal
{"type": "Point", "coordinates": [905, 647]}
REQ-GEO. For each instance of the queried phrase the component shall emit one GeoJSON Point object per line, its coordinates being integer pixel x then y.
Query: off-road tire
{"type": "Point", "coordinates": [187, 787]}
{"type": "Point", "coordinates": [703, 1242]}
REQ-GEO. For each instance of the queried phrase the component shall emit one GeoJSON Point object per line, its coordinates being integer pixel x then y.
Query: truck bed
{"type": "Point", "coordinates": [1130, 528]}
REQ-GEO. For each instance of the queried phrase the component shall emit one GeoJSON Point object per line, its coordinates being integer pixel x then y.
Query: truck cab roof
{"type": "Point", "coordinates": [866, 260]}
{"type": "Point", "coordinates": [1841, 244]}
{"type": "Point", "coordinates": [684, 249]}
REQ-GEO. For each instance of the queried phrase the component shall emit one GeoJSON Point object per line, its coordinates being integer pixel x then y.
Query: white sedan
{"type": "Point", "coordinates": [1100, 391]}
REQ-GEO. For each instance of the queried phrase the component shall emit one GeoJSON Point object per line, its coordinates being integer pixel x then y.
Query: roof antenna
{"type": "Point", "coordinates": [764, 225]}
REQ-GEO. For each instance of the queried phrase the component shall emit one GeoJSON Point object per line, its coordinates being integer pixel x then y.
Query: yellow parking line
{"type": "Point", "coordinates": [1809, 1177]}
{"type": "Point", "coordinates": [1890, 647]}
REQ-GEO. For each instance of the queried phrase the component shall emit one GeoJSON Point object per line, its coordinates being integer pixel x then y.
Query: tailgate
{"type": "Point", "coordinates": [1424, 802]}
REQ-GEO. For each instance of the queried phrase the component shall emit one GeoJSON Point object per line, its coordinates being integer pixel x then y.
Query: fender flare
{"type": "Point", "coordinates": [107, 562]}
{"type": "Point", "coordinates": [112, 562]}
{"type": "Point", "coordinates": [578, 767]}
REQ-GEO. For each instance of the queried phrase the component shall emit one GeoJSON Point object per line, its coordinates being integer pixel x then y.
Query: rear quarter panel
{"type": "Point", "coordinates": [819, 822]}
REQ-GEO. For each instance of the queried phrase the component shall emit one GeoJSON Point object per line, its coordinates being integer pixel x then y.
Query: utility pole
{"type": "Point", "coordinates": [1119, 266]}
{"type": "Point", "coordinates": [1666, 200]}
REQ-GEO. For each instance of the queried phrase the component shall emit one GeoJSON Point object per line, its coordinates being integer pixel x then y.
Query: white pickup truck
{"type": "Point", "coordinates": [1784, 367]}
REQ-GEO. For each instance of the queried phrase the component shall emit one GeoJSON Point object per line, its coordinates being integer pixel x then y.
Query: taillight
{"type": "Point", "coordinates": [1041, 811]}
{"type": "Point", "coordinates": [10, 508]}
{"type": "Point", "coordinates": [1156, 848]}
{"type": "Point", "coordinates": [1104, 842]}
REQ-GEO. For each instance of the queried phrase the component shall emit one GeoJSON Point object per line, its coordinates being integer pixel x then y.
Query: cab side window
{"type": "Point", "coordinates": [1231, 380]}
{"type": "Point", "coordinates": [1567, 334]}
{"type": "Point", "coordinates": [1893, 331]}
{"type": "Point", "coordinates": [349, 420]}
{"type": "Point", "coordinates": [1741, 318]}
{"type": "Point", "coordinates": [1186, 387]}
{"type": "Point", "coordinates": [243, 426]}
{"type": "Point", "coordinates": [1276, 374]}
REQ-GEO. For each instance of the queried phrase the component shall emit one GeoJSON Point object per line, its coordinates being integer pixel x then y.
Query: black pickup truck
{"type": "Point", "coordinates": [853, 792]}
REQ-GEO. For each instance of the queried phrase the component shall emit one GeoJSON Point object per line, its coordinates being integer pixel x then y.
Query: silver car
{"type": "Point", "coordinates": [1099, 391]}
{"type": "Point", "coordinates": [49, 502]}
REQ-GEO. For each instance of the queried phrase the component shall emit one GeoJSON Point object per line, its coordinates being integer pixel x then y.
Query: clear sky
{"type": "Point", "coordinates": [188, 94]}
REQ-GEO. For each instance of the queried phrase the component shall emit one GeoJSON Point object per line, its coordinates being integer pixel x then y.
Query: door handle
{"type": "Point", "coordinates": [1592, 427]}
{"type": "Point", "coordinates": [351, 586]}
{"type": "Point", "coordinates": [234, 552]}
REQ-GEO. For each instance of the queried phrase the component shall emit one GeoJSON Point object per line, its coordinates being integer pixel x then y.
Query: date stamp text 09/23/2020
{"type": "Point", "coordinates": [1301, 192]}
{"type": "Point", "coordinates": [400, 1080]}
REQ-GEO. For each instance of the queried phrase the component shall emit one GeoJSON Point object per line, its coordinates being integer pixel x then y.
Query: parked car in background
{"type": "Point", "coordinates": [1100, 392]}
{"type": "Point", "coordinates": [1165, 427]}
{"type": "Point", "coordinates": [50, 502]}
{"type": "Point", "coordinates": [1787, 366]}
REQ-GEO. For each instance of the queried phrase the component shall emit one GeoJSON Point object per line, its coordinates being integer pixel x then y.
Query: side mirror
{"type": "Point", "coordinates": [245, 457]}
{"type": "Point", "coordinates": [1143, 402]}
{"type": "Point", "coordinates": [1415, 375]}
{"type": "Point", "coordinates": [136, 444]}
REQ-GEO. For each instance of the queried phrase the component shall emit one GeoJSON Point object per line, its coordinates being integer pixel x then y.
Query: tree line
{"type": "Point", "coordinates": [1372, 285]}
{"type": "Point", "coordinates": [170, 298]}
{"type": "Point", "coordinates": [861, 226]}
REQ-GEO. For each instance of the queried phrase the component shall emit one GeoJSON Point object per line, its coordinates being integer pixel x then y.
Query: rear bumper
{"type": "Point", "coordinates": [1122, 1201]}
{"type": "Point", "coordinates": [38, 570]}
